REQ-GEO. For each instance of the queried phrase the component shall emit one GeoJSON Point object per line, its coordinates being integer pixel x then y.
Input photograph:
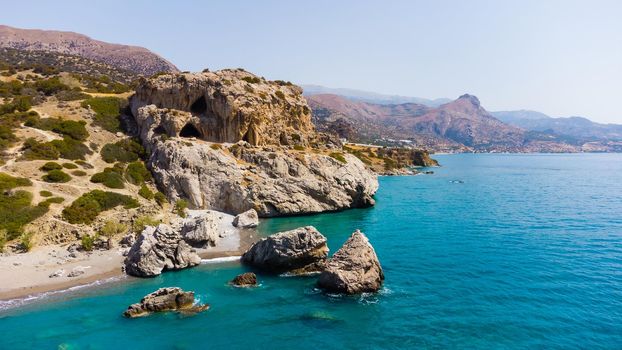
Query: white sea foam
{"type": "Point", "coordinates": [220, 260]}
{"type": "Point", "coordinates": [17, 302]}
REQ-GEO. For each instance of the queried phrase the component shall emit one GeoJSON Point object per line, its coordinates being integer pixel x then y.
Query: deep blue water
{"type": "Point", "coordinates": [525, 253]}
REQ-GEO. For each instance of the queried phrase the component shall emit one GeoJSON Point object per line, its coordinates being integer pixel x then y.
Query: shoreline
{"type": "Point", "coordinates": [29, 272]}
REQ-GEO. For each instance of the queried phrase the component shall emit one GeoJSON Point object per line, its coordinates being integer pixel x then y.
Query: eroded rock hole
{"type": "Point", "coordinates": [190, 130]}
{"type": "Point", "coordinates": [159, 130]}
{"type": "Point", "coordinates": [199, 106]}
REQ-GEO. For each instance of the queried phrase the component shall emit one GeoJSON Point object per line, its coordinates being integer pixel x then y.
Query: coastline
{"type": "Point", "coordinates": [30, 272]}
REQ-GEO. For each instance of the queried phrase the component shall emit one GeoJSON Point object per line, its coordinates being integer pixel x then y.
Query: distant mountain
{"type": "Point", "coordinates": [578, 128]}
{"type": "Point", "coordinates": [460, 125]}
{"type": "Point", "coordinates": [131, 58]}
{"type": "Point", "coordinates": [371, 97]}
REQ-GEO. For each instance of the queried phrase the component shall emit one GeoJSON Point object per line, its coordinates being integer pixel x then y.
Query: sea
{"type": "Point", "coordinates": [492, 251]}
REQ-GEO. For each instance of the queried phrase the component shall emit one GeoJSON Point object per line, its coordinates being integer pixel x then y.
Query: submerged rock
{"type": "Point", "coordinates": [247, 279]}
{"type": "Point", "coordinates": [158, 249]}
{"type": "Point", "coordinates": [353, 269]}
{"type": "Point", "coordinates": [247, 219]}
{"type": "Point", "coordinates": [301, 250]}
{"type": "Point", "coordinates": [165, 299]}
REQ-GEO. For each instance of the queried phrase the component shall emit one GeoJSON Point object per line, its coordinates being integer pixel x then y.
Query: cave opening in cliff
{"type": "Point", "coordinates": [199, 106]}
{"type": "Point", "coordinates": [190, 130]}
{"type": "Point", "coordinates": [159, 130]}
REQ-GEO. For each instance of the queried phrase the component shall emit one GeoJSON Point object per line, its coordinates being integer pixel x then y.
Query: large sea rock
{"type": "Point", "coordinates": [231, 141]}
{"type": "Point", "coordinates": [353, 269]}
{"type": "Point", "coordinates": [165, 299]}
{"type": "Point", "coordinates": [158, 249]}
{"type": "Point", "coordinates": [301, 250]}
{"type": "Point", "coordinates": [200, 231]}
{"type": "Point", "coordinates": [247, 219]}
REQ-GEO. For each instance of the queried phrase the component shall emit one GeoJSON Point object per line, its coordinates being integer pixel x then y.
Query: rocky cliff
{"type": "Point", "coordinates": [231, 141]}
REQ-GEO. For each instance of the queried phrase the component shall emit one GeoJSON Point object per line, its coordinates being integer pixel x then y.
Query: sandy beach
{"type": "Point", "coordinates": [54, 267]}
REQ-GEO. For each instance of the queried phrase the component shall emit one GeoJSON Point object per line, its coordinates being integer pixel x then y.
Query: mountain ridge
{"type": "Point", "coordinates": [132, 58]}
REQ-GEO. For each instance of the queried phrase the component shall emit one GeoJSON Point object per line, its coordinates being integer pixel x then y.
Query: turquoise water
{"type": "Point", "coordinates": [525, 253]}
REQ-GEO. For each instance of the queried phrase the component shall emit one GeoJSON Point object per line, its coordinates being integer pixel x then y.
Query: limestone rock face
{"type": "Point", "coordinates": [165, 299]}
{"type": "Point", "coordinates": [158, 249]}
{"type": "Point", "coordinates": [273, 182]}
{"type": "Point", "coordinates": [247, 279]}
{"type": "Point", "coordinates": [353, 269]}
{"type": "Point", "coordinates": [200, 232]}
{"type": "Point", "coordinates": [269, 168]}
{"type": "Point", "coordinates": [247, 219]}
{"type": "Point", "coordinates": [226, 106]}
{"type": "Point", "coordinates": [300, 249]}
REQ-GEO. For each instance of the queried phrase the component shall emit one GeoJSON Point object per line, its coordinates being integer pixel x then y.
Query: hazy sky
{"type": "Point", "coordinates": [558, 57]}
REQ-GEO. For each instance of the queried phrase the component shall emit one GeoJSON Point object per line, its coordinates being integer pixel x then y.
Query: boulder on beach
{"type": "Point", "coordinates": [247, 279]}
{"type": "Point", "coordinates": [353, 269]}
{"type": "Point", "coordinates": [165, 299]}
{"type": "Point", "coordinates": [200, 231]}
{"type": "Point", "coordinates": [158, 249]}
{"type": "Point", "coordinates": [247, 219]}
{"type": "Point", "coordinates": [301, 250]}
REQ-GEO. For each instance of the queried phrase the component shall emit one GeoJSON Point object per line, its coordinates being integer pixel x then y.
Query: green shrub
{"type": "Point", "coordinates": [79, 173]}
{"type": "Point", "coordinates": [145, 192]}
{"type": "Point", "coordinates": [84, 164]}
{"type": "Point", "coordinates": [88, 242]}
{"type": "Point", "coordinates": [86, 208]}
{"type": "Point", "coordinates": [15, 206]}
{"type": "Point", "coordinates": [50, 166]}
{"type": "Point", "coordinates": [160, 198]}
{"type": "Point", "coordinates": [69, 148]}
{"type": "Point", "coordinates": [127, 150]}
{"type": "Point", "coordinates": [180, 207]}
{"type": "Point", "coordinates": [34, 149]}
{"type": "Point", "coordinates": [216, 146]}
{"type": "Point", "coordinates": [3, 239]}
{"type": "Point", "coordinates": [252, 80]}
{"type": "Point", "coordinates": [107, 111]}
{"type": "Point", "coordinates": [280, 94]}
{"type": "Point", "coordinates": [137, 173]}
{"type": "Point", "coordinates": [110, 177]}
{"type": "Point", "coordinates": [71, 95]}
{"type": "Point", "coordinates": [299, 148]}
{"type": "Point", "coordinates": [74, 129]}
{"type": "Point", "coordinates": [56, 200]}
{"type": "Point", "coordinates": [50, 86]}
{"type": "Point", "coordinates": [25, 240]}
{"type": "Point", "coordinates": [70, 166]}
{"type": "Point", "coordinates": [141, 222]}
{"type": "Point", "coordinates": [56, 176]}
{"type": "Point", "coordinates": [339, 156]}
{"type": "Point", "coordinates": [111, 229]}
{"type": "Point", "coordinates": [45, 194]}
{"type": "Point", "coordinates": [8, 182]}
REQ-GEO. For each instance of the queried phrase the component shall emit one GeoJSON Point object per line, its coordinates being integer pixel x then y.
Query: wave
{"type": "Point", "coordinates": [17, 302]}
{"type": "Point", "coordinates": [221, 259]}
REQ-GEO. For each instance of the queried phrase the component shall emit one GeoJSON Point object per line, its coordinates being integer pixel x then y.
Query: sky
{"type": "Point", "coordinates": [559, 57]}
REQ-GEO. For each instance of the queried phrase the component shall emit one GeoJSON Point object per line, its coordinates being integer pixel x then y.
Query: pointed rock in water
{"type": "Point", "coordinates": [165, 299]}
{"type": "Point", "coordinates": [247, 279]}
{"type": "Point", "coordinates": [158, 249]}
{"type": "Point", "coordinates": [247, 219]}
{"type": "Point", "coordinates": [353, 269]}
{"type": "Point", "coordinates": [300, 250]}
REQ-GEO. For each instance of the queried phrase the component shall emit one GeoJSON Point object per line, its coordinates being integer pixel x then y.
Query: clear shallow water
{"type": "Point", "coordinates": [525, 253]}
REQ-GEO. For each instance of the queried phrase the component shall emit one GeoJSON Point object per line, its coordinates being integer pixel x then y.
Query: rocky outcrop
{"type": "Point", "coordinates": [225, 106]}
{"type": "Point", "coordinates": [165, 299]}
{"type": "Point", "coordinates": [158, 249]}
{"type": "Point", "coordinates": [247, 219]}
{"type": "Point", "coordinates": [247, 279]}
{"type": "Point", "coordinates": [300, 250]}
{"type": "Point", "coordinates": [200, 231]}
{"type": "Point", "coordinates": [270, 168]}
{"type": "Point", "coordinates": [353, 269]}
